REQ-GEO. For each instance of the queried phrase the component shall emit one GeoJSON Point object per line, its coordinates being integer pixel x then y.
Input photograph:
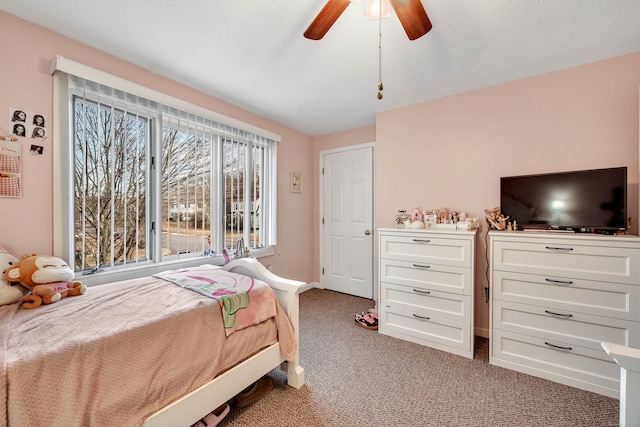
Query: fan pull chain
{"type": "Point", "coordinates": [380, 86]}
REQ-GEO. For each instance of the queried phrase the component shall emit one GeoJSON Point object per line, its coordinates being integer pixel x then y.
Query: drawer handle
{"type": "Point", "coordinates": [558, 346]}
{"type": "Point", "coordinates": [421, 266]}
{"type": "Point", "coordinates": [420, 291]}
{"type": "Point", "coordinates": [551, 248]}
{"type": "Point", "coordinates": [560, 282]}
{"type": "Point", "coordinates": [422, 240]}
{"type": "Point", "coordinates": [417, 316]}
{"type": "Point", "coordinates": [558, 314]}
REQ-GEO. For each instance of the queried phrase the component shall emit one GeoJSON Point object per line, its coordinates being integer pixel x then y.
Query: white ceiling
{"type": "Point", "coordinates": [251, 53]}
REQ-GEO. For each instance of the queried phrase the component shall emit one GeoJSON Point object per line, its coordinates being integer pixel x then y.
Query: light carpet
{"type": "Point", "coordinates": [358, 377]}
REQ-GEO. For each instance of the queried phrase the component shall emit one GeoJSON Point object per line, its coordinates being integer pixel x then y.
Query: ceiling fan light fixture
{"type": "Point", "coordinates": [377, 9]}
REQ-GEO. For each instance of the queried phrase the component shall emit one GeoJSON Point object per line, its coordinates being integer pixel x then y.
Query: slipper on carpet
{"type": "Point", "coordinates": [372, 312]}
{"type": "Point", "coordinates": [367, 321]}
{"type": "Point", "coordinates": [213, 418]}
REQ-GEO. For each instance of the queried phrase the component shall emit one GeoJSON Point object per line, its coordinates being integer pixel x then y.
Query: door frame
{"type": "Point", "coordinates": [374, 240]}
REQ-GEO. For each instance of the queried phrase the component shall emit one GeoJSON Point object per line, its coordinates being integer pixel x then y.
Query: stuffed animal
{"type": "Point", "coordinates": [49, 278]}
{"type": "Point", "coordinates": [9, 293]}
{"type": "Point", "coordinates": [495, 219]}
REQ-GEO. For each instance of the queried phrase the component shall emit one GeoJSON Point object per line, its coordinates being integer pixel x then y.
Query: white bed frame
{"type": "Point", "coordinates": [189, 409]}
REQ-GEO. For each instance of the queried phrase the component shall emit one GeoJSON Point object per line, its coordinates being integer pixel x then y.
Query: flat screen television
{"type": "Point", "coordinates": [591, 201]}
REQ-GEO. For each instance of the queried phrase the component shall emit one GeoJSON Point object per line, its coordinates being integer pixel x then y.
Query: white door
{"type": "Point", "coordinates": [347, 221]}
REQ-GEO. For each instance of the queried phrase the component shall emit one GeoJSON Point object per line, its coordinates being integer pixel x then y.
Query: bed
{"type": "Point", "coordinates": [111, 357]}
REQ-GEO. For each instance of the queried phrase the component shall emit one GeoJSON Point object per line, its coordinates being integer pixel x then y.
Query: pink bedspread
{"type": "Point", "coordinates": [119, 353]}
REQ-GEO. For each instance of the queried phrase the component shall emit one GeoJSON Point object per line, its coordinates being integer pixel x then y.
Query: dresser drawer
{"type": "Point", "coordinates": [568, 259]}
{"type": "Point", "coordinates": [559, 327]}
{"type": "Point", "coordinates": [427, 249]}
{"type": "Point", "coordinates": [423, 302]}
{"type": "Point", "coordinates": [426, 276]}
{"type": "Point", "coordinates": [581, 367]}
{"type": "Point", "coordinates": [599, 298]}
{"type": "Point", "coordinates": [396, 321]}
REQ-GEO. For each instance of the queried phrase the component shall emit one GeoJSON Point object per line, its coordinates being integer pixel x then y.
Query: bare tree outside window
{"type": "Point", "coordinates": [154, 183]}
{"type": "Point", "coordinates": [110, 185]}
{"type": "Point", "coordinates": [242, 187]}
{"type": "Point", "coordinates": [186, 191]}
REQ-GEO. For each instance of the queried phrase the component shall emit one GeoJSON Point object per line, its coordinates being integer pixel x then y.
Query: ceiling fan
{"type": "Point", "coordinates": [411, 14]}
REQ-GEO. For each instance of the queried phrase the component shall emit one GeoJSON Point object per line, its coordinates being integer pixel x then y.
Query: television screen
{"type": "Point", "coordinates": [584, 201]}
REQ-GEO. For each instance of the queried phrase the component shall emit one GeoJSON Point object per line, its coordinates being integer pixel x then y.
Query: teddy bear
{"type": "Point", "coordinates": [49, 279]}
{"type": "Point", "coordinates": [9, 293]}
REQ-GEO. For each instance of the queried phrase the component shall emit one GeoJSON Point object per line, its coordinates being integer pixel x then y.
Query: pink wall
{"type": "Point", "coordinates": [26, 224]}
{"type": "Point", "coordinates": [451, 152]}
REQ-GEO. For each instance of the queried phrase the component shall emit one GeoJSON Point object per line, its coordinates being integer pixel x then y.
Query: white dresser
{"type": "Point", "coordinates": [427, 287]}
{"type": "Point", "coordinates": [556, 297]}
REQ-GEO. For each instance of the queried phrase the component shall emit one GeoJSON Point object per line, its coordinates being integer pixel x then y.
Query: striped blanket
{"type": "Point", "coordinates": [244, 301]}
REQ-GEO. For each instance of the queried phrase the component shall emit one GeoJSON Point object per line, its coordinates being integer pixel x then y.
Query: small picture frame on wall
{"type": "Point", "coordinates": [296, 182]}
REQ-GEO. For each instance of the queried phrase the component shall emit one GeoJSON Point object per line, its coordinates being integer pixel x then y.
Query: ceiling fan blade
{"type": "Point", "coordinates": [325, 19]}
{"type": "Point", "coordinates": [413, 17]}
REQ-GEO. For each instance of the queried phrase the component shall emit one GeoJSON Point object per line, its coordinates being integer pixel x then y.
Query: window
{"type": "Point", "coordinates": [148, 183]}
{"type": "Point", "coordinates": [111, 165]}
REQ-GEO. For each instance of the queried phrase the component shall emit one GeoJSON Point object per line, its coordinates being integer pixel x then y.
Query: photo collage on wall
{"type": "Point", "coordinates": [22, 124]}
{"type": "Point", "coordinates": [29, 125]}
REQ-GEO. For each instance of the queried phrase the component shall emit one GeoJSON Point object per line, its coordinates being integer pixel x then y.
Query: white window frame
{"type": "Point", "coordinates": [63, 181]}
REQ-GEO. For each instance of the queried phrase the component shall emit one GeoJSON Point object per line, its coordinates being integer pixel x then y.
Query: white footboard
{"type": "Point", "coordinates": [200, 402]}
{"type": "Point", "coordinates": [287, 291]}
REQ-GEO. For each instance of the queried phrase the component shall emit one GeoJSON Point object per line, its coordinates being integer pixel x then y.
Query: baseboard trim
{"type": "Point", "coordinates": [481, 332]}
{"type": "Point", "coordinates": [310, 285]}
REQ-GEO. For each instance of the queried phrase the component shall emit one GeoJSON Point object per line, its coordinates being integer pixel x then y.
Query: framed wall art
{"type": "Point", "coordinates": [296, 182]}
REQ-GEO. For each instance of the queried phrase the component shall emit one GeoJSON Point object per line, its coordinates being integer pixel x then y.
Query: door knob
{"type": "Point", "coordinates": [367, 232]}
